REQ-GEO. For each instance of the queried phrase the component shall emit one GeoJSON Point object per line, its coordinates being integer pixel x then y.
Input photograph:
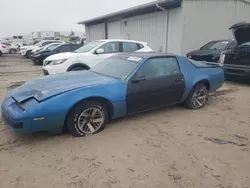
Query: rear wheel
{"type": "Point", "coordinates": [87, 118]}
{"type": "Point", "coordinates": [198, 97]}
{"type": "Point", "coordinates": [1, 53]}
{"type": "Point", "coordinates": [13, 51]}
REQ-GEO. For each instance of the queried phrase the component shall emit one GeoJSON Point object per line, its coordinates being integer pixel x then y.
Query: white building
{"type": "Point", "coordinates": [174, 26]}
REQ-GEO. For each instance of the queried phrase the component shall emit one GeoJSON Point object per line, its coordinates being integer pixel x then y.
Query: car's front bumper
{"type": "Point", "coordinates": [37, 59]}
{"type": "Point", "coordinates": [14, 116]}
{"type": "Point", "coordinates": [23, 52]}
{"type": "Point", "coordinates": [237, 73]}
{"type": "Point", "coordinates": [55, 69]}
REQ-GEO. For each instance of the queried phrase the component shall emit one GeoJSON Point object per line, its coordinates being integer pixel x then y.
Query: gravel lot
{"type": "Point", "coordinates": [172, 147]}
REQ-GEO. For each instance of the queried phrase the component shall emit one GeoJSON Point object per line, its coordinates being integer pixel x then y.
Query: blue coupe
{"type": "Point", "coordinates": [121, 85]}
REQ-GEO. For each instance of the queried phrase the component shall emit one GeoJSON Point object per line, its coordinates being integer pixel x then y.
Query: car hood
{"type": "Point", "coordinates": [65, 55]}
{"type": "Point", "coordinates": [203, 52]}
{"type": "Point", "coordinates": [241, 32]}
{"type": "Point", "coordinates": [37, 49]}
{"type": "Point", "coordinates": [29, 47]}
{"type": "Point", "coordinates": [49, 86]}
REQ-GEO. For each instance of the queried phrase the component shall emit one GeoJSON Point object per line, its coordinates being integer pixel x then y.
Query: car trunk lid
{"type": "Point", "coordinates": [241, 32]}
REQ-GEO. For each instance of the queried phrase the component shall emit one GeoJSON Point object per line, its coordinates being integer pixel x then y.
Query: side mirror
{"type": "Point", "coordinates": [100, 51]}
{"type": "Point", "coordinates": [137, 79]}
{"type": "Point", "coordinates": [57, 51]}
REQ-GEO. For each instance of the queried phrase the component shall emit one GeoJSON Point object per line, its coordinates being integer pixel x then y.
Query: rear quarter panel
{"type": "Point", "coordinates": [193, 75]}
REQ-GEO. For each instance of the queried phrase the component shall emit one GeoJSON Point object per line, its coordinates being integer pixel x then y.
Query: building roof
{"type": "Point", "coordinates": [134, 11]}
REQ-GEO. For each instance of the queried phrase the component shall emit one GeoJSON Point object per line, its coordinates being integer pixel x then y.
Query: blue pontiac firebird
{"type": "Point", "coordinates": [121, 85]}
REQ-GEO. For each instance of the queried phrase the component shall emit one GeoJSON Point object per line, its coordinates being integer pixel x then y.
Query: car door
{"type": "Point", "coordinates": [59, 49]}
{"type": "Point", "coordinates": [62, 48]}
{"type": "Point", "coordinates": [159, 82]}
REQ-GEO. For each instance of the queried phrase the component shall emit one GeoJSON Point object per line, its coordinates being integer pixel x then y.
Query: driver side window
{"type": "Point", "coordinates": [158, 67]}
{"type": "Point", "coordinates": [111, 47]}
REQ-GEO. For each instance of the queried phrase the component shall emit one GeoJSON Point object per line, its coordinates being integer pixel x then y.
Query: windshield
{"type": "Point", "coordinates": [117, 66]}
{"type": "Point", "coordinates": [39, 43]}
{"type": "Point", "coordinates": [88, 47]}
{"type": "Point", "coordinates": [246, 44]}
{"type": "Point", "coordinates": [221, 45]}
{"type": "Point", "coordinates": [53, 46]}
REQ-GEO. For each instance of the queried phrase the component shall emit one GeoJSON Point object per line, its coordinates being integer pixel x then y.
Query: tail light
{"type": "Point", "coordinates": [3, 46]}
{"type": "Point", "coordinates": [222, 58]}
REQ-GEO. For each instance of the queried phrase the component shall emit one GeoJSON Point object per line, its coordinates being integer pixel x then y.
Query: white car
{"type": "Point", "coordinates": [12, 48]}
{"type": "Point", "coordinates": [89, 55]}
{"type": "Point", "coordinates": [3, 49]}
{"type": "Point", "coordinates": [26, 50]}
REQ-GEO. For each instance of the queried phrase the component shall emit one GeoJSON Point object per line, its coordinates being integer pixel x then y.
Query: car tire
{"type": "Point", "coordinates": [28, 53]}
{"type": "Point", "coordinates": [87, 118]}
{"type": "Point", "coordinates": [197, 97]}
{"type": "Point", "coordinates": [77, 68]}
{"type": "Point", "coordinates": [1, 53]}
{"type": "Point", "coordinates": [13, 51]}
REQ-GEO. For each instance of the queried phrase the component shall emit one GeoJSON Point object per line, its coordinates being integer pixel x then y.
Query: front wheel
{"type": "Point", "coordinates": [87, 118]}
{"type": "Point", "coordinates": [1, 53]}
{"type": "Point", "coordinates": [77, 68]}
{"type": "Point", "coordinates": [28, 54]}
{"type": "Point", "coordinates": [197, 97]}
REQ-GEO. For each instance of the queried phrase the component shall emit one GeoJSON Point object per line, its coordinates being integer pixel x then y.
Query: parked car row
{"type": "Point", "coordinates": [27, 50]}
{"type": "Point", "coordinates": [40, 55]}
{"type": "Point", "coordinates": [8, 48]}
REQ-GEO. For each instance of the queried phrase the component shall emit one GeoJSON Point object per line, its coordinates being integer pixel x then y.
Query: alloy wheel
{"type": "Point", "coordinates": [199, 98]}
{"type": "Point", "coordinates": [90, 120]}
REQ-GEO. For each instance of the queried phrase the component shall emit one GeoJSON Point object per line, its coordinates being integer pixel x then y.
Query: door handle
{"type": "Point", "coordinates": [178, 80]}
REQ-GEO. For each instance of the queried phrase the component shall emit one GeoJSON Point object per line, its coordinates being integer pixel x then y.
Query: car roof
{"type": "Point", "coordinates": [222, 40]}
{"type": "Point", "coordinates": [240, 25]}
{"type": "Point", "coordinates": [146, 55]}
{"type": "Point", "coordinates": [121, 40]}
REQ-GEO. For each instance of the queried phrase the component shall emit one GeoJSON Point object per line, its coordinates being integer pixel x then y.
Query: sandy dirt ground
{"type": "Point", "coordinates": [169, 148]}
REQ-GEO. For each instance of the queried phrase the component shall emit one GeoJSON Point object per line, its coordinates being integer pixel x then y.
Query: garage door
{"type": "Point", "coordinates": [96, 32]}
{"type": "Point", "coordinates": [114, 30]}
{"type": "Point", "coordinates": [150, 28]}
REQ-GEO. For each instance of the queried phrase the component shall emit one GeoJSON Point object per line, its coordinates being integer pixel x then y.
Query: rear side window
{"type": "Point", "coordinates": [130, 47]}
{"type": "Point", "coordinates": [6, 44]}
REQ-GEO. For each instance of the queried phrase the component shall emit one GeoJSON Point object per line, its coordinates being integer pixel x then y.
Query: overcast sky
{"type": "Point", "coordinates": [20, 16]}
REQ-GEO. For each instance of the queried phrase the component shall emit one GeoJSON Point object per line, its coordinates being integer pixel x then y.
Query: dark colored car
{"type": "Point", "coordinates": [211, 51]}
{"type": "Point", "coordinates": [237, 60]}
{"type": "Point", "coordinates": [38, 57]}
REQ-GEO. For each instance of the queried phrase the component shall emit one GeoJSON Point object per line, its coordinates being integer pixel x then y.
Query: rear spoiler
{"type": "Point", "coordinates": [229, 66]}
